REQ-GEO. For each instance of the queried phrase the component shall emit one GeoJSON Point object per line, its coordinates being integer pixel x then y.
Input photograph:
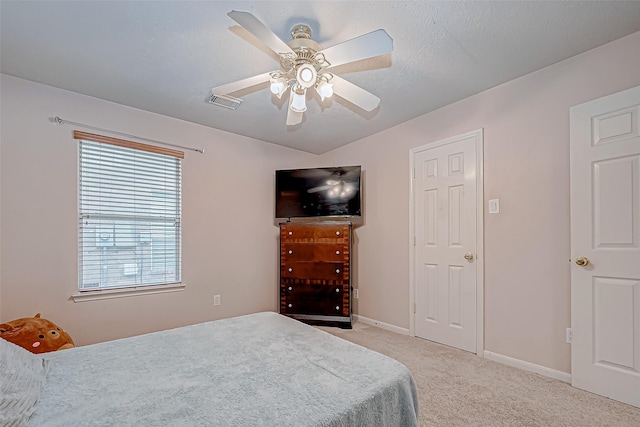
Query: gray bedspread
{"type": "Point", "coordinates": [262, 369]}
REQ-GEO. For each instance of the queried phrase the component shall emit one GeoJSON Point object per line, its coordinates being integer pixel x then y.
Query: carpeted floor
{"type": "Point", "coordinates": [457, 388]}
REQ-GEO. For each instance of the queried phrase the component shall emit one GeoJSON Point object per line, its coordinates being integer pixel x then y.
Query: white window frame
{"type": "Point", "coordinates": [135, 224]}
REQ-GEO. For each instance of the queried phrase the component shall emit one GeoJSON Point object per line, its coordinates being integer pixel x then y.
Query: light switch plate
{"type": "Point", "coordinates": [494, 206]}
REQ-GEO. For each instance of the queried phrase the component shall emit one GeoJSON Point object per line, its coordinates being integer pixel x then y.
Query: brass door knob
{"type": "Point", "coordinates": [468, 256]}
{"type": "Point", "coordinates": [583, 261]}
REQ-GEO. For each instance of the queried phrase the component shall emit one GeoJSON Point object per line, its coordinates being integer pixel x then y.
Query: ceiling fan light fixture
{"type": "Point", "coordinates": [324, 89]}
{"type": "Point", "coordinates": [306, 75]}
{"type": "Point", "coordinates": [278, 86]}
{"type": "Point", "coordinates": [298, 103]}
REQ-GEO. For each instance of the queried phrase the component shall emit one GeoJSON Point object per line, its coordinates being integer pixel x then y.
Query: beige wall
{"type": "Point", "coordinates": [233, 252]}
{"type": "Point", "coordinates": [527, 245]}
{"type": "Point", "coordinates": [229, 239]}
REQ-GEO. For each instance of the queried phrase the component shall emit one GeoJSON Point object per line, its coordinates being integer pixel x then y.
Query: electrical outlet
{"type": "Point", "coordinates": [569, 336]}
{"type": "Point", "coordinates": [355, 293]}
{"type": "Point", "coordinates": [216, 300]}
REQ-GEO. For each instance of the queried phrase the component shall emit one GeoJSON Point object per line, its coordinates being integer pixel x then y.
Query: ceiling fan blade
{"type": "Point", "coordinates": [258, 29]}
{"type": "Point", "coordinates": [241, 84]}
{"type": "Point", "coordinates": [365, 46]}
{"type": "Point", "coordinates": [354, 94]}
{"type": "Point", "coordinates": [293, 117]}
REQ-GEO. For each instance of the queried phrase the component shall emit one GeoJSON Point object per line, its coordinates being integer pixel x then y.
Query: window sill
{"type": "Point", "coordinates": [126, 292]}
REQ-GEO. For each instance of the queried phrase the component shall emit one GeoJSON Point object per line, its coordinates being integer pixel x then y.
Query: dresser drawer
{"type": "Point", "coordinates": [313, 299]}
{"type": "Point", "coordinates": [320, 291]}
{"type": "Point", "coordinates": [315, 252]}
{"type": "Point", "coordinates": [314, 233]}
{"type": "Point", "coordinates": [314, 270]}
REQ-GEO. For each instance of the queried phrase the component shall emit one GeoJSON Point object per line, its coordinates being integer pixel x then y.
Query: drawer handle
{"type": "Point", "coordinates": [290, 269]}
{"type": "Point", "coordinates": [291, 233]}
{"type": "Point", "coordinates": [337, 307]}
{"type": "Point", "coordinates": [337, 289]}
{"type": "Point", "coordinates": [337, 252]}
{"type": "Point", "coordinates": [290, 251]}
{"type": "Point", "coordinates": [337, 270]}
{"type": "Point", "coordinates": [290, 288]}
{"type": "Point", "coordinates": [337, 233]}
{"type": "Point", "coordinates": [290, 305]}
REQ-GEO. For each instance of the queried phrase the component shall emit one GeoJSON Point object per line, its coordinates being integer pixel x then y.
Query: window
{"type": "Point", "coordinates": [130, 197]}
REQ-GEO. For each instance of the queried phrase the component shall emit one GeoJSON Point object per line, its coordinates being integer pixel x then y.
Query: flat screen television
{"type": "Point", "coordinates": [319, 192]}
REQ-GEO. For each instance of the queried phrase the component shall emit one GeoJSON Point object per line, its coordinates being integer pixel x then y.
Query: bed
{"type": "Point", "coordinates": [262, 369]}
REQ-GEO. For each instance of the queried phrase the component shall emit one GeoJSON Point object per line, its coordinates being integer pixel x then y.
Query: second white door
{"type": "Point", "coordinates": [605, 246]}
{"type": "Point", "coordinates": [445, 248]}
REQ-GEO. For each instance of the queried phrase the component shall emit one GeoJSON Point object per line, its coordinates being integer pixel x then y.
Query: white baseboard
{"type": "Point", "coordinates": [527, 366]}
{"type": "Point", "coordinates": [505, 360]}
{"type": "Point", "coordinates": [381, 325]}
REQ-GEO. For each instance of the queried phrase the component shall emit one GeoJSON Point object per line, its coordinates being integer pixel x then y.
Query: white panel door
{"type": "Point", "coordinates": [605, 246]}
{"type": "Point", "coordinates": [444, 204]}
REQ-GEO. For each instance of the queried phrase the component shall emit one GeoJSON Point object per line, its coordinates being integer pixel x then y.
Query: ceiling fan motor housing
{"type": "Point", "coordinates": [301, 31]}
{"type": "Point", "coordinates": [304, 65]}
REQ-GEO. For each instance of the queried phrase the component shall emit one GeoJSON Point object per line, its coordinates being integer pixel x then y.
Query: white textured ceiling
{"type": "Point", "coordinates": [165, 56]}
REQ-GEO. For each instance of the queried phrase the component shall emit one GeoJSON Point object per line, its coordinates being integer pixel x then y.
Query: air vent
{"type": "Point", "coordinates": [225, 101]}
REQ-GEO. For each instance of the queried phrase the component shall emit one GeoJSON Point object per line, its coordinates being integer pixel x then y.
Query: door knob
{"type": "Point", "coordinates": [583, 261]}
{"type": "Point", "coordinates": [468, 256]}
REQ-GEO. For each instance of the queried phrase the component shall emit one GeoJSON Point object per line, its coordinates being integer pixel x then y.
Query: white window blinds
{"type": "Point", "coordinates": [129, 213]}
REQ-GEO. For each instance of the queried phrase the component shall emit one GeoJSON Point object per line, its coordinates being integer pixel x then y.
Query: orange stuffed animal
{"type": "Point", "coordinates": [36, 334]}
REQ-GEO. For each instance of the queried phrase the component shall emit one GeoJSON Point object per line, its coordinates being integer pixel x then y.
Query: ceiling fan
{"type": "Point", "coordinates": [304, 65]}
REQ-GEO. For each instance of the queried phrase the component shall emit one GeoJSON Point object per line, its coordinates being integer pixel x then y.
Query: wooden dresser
{"type": "Point", "coordinates": [315, 272]}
